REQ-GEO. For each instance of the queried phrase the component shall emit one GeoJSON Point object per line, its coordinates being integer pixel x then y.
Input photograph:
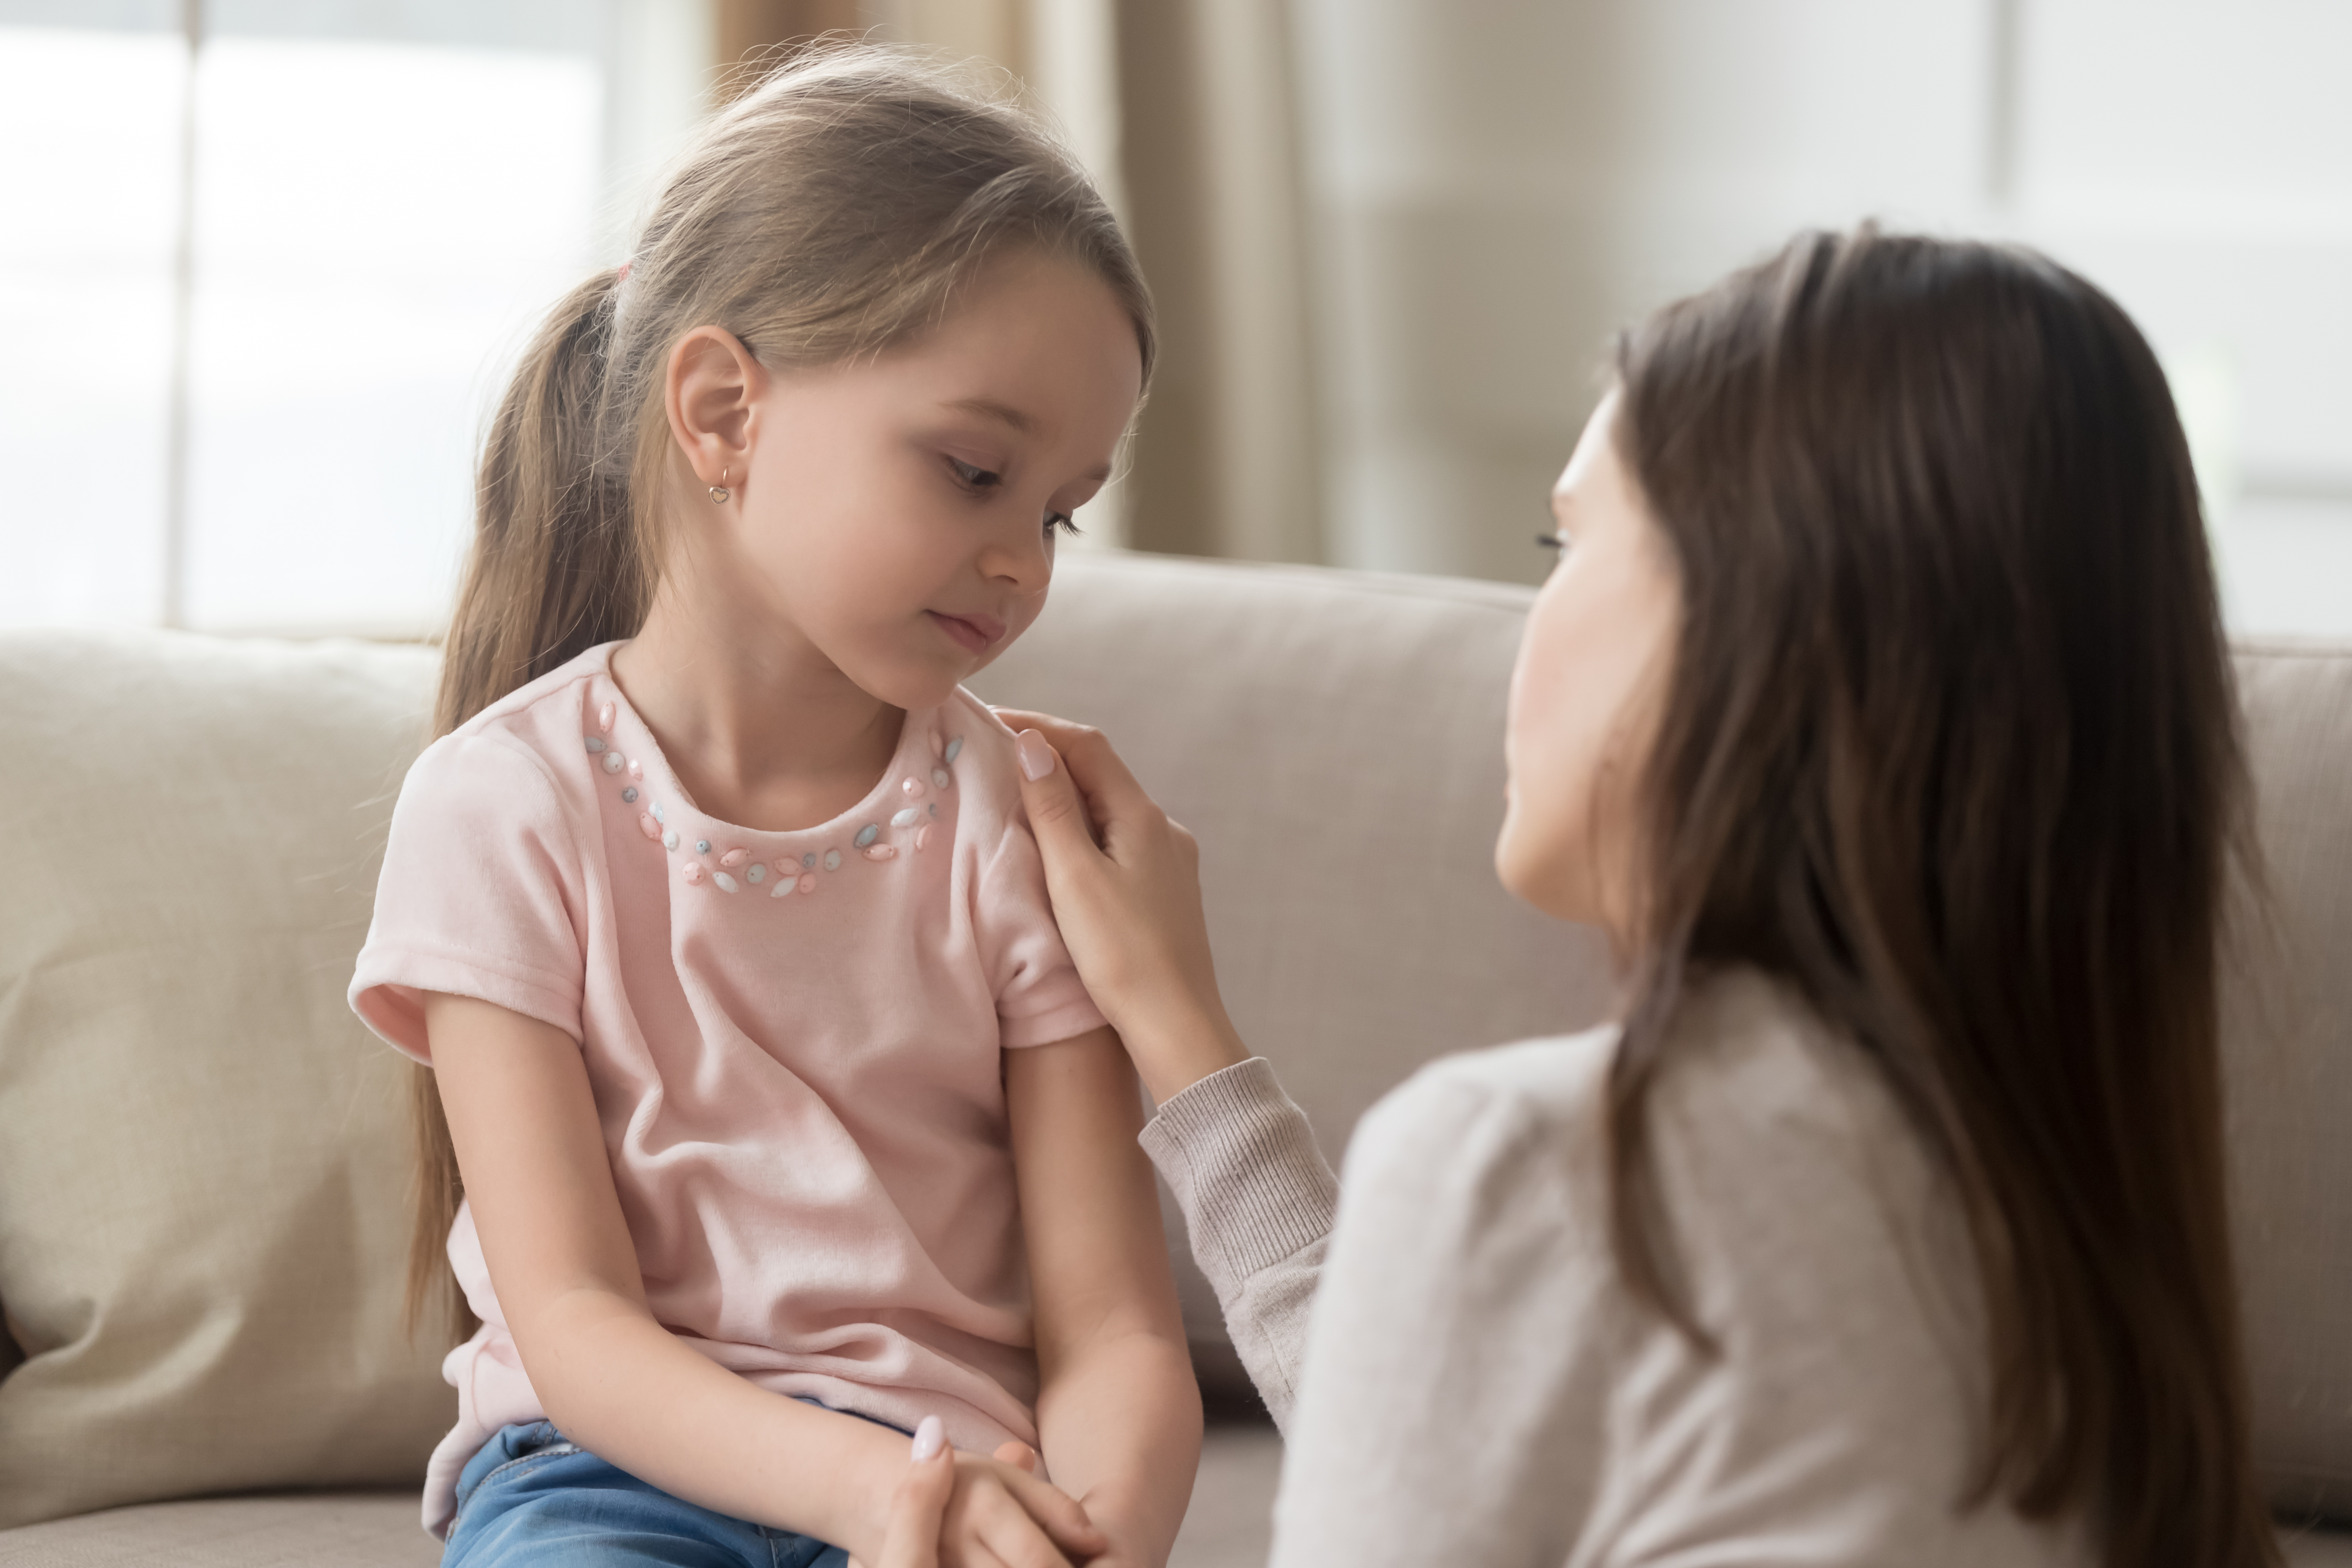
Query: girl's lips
{"type": "Point", "coordinates": [976, 632]}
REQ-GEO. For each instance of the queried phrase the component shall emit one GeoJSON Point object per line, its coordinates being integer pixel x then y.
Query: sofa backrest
{"type": "Point", "coordinates": [204, 1166]}
{"type": "Point", "coordinates": [2286, 1037]}
{"type": "Point", "coordinates": [201, 1155]}
{"type": "Point", "coordinates": [1336, 740]}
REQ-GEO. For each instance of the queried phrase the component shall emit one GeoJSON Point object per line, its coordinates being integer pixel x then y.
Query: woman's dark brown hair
{"type": "Point", "coordinates": [1951, 746]}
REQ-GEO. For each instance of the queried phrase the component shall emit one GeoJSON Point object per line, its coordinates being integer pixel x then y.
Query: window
{"type": "Point", "coordinates": [270, 269]}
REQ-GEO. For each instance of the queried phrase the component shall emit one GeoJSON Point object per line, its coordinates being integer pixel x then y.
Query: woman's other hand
{"type": "Point", "coordinates": [921, 1503]}
{"type": "Point", "coordinates": [952, 1508]}
{"type": "Point", "coordinates": [1126, 885]}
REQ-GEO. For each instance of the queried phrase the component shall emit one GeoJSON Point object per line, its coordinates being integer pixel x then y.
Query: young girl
{"type": "Point", "coordinates": [1879, 710]}
{"type": "Point", "coordinates": [780, 1116]}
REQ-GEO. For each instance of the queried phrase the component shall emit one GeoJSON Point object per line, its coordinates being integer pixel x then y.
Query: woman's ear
{"type": "Point", "coordinates": [710, 394]}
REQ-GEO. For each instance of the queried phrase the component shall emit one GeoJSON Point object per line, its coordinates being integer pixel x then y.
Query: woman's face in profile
{"type": "Point", "coordinates": [1587, 691]}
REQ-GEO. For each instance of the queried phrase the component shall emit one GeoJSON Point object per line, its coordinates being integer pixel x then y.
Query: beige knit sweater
{"type": "Point", "coordinates": [1480, 1389]}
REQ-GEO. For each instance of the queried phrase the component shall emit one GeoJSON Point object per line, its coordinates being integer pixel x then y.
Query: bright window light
{"type": "Point", "coordinates": [379, 227]}
{"type": "Point", "coordinates": [90, 189]}
{"type": "Point", "coordinates": [374, 225]}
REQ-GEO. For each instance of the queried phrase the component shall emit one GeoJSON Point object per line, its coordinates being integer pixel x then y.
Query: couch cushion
{"type": "Point", "coordinates": [1335, 740]}
{"type": "Point", "coordinates": [2307, 1548]}
{"type": "Point", "coordinates": [204, 1162]}
{"type": "Point", "coordinates": [201, 1156]}
{"type": "Point", "coordinates": [2287, 1034]}
{"type": "Point", "coordinates": [348, 1530]}
{"type": "Point", "coordinates": [1229, 1525]}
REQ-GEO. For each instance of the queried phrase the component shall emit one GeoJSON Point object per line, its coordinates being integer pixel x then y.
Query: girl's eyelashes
{"type": "Point", "coordinates": [971, 476]}
{"type": "Point", "coordinates": [1556, 542]}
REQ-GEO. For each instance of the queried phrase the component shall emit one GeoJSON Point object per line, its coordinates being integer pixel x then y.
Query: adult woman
{"type": "Point", "coordinates": [1881, 715]}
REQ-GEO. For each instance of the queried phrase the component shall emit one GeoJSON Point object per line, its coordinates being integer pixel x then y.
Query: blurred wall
{"type": "Point", "coordinates": [1496, 186]}
{"type": "Point", "coordinates": [1391, 239]}
{"type": "Point", "coordinates": [1499, 185]}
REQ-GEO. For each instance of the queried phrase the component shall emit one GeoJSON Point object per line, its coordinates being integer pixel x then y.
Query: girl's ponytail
{"type": "Point", "coordinates": [558, 566]}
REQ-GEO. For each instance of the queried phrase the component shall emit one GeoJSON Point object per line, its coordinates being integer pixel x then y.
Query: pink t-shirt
{"type": "Point", "coordinates": [794, 1040]}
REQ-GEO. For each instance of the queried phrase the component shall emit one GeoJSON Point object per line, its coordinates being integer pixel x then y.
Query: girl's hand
{"type": "Point", "coordinates": [1126, 885]}
{"type": "Point", "coordinates": [920, 1505]}
{"type": "Point", "coordinates": [958, 1510]}
{"type": "Point", "coordinates": [1021, 1456]}
{"type": "Point", "coordinates": [1000, 1516]}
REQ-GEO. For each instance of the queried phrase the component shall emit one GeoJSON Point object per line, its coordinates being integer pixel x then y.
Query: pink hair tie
{"type": "Point", "coordinates": [624, 275]}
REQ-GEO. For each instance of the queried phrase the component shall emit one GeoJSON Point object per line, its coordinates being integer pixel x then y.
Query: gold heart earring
{"type": "Point", "coordinates": [719, 492]}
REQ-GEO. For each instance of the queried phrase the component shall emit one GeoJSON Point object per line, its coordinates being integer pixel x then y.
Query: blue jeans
{"type": "Point", "coordinates": [531, 1499]}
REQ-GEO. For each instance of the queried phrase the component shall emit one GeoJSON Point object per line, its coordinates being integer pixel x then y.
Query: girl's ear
{"type": "Point", "coordinates": [709, 393]}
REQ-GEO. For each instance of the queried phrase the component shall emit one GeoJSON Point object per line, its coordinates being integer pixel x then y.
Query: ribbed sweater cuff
{"type": "Point", "coordinates": [1241, 1159]}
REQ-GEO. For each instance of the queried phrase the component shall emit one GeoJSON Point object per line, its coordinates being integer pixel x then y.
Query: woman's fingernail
{"type": "Point", "coordinates": [1036, 755]}
{"type": "Point", "coordinates": [929, 1438]}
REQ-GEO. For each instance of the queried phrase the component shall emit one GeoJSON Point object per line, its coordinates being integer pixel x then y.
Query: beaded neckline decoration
{"type": "Point", "coordinates": [732, 869]}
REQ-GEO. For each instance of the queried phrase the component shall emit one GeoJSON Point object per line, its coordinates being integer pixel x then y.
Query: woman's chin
{"type": "Point", "coordinates": [1525, 877]}
{"type": "Point", "coordinates": [1549, 880]}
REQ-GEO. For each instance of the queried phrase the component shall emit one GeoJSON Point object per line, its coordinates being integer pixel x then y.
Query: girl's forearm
{"type": "Point", "coordinates": [1120, 1425]}
{"type": "Point", "coordinates": [623, 1387]}
{"type": "Point", "coordinates": [1119, 1415]}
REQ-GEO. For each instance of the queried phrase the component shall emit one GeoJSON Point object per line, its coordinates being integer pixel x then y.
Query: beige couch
{"type": "Point", "coordinates": [201, 1167]}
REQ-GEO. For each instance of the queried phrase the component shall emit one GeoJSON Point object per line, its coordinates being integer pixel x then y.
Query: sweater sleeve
{"type": "Point", "coordinates": [1453, 1401]}
{"type": "Point", "coordinates": [1257, 1200]}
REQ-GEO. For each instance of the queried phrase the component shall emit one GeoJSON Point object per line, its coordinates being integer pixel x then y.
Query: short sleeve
{"type": "Point", "coordinates": [480, 878]}
{"type": "Point", "coordinates": [1039, 996]}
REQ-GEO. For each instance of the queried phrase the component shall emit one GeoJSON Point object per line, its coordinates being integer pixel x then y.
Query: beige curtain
{"type": "Point", "coordinates": [747, 29]}
{"type": "Point", "coordinates": [1186, 111]}
{"type": "Point", "coordinates": [1228, 458]}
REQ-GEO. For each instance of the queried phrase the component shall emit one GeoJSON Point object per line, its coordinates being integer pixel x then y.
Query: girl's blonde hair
{"type": "Point", "coordinates": [833, 210]}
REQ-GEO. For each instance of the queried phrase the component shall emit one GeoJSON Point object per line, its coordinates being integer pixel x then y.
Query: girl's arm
{"type": "Point", "coordinates": [618, 1383]}
{"type": "Point", "coordinates": [1257, 1197]}
{"type": "Point", "coordinates": [1118, 1412]}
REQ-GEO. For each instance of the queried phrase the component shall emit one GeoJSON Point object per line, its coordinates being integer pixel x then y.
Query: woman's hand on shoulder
{"type": "Point", "coordinates": [1126, 886]}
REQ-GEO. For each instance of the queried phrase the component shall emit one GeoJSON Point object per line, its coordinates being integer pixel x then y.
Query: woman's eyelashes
{"type": "Point", "coordinates": [979, 480]}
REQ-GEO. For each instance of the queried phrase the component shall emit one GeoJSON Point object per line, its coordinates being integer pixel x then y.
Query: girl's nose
{"type": "Point", "coordinates": [1021, 558]}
